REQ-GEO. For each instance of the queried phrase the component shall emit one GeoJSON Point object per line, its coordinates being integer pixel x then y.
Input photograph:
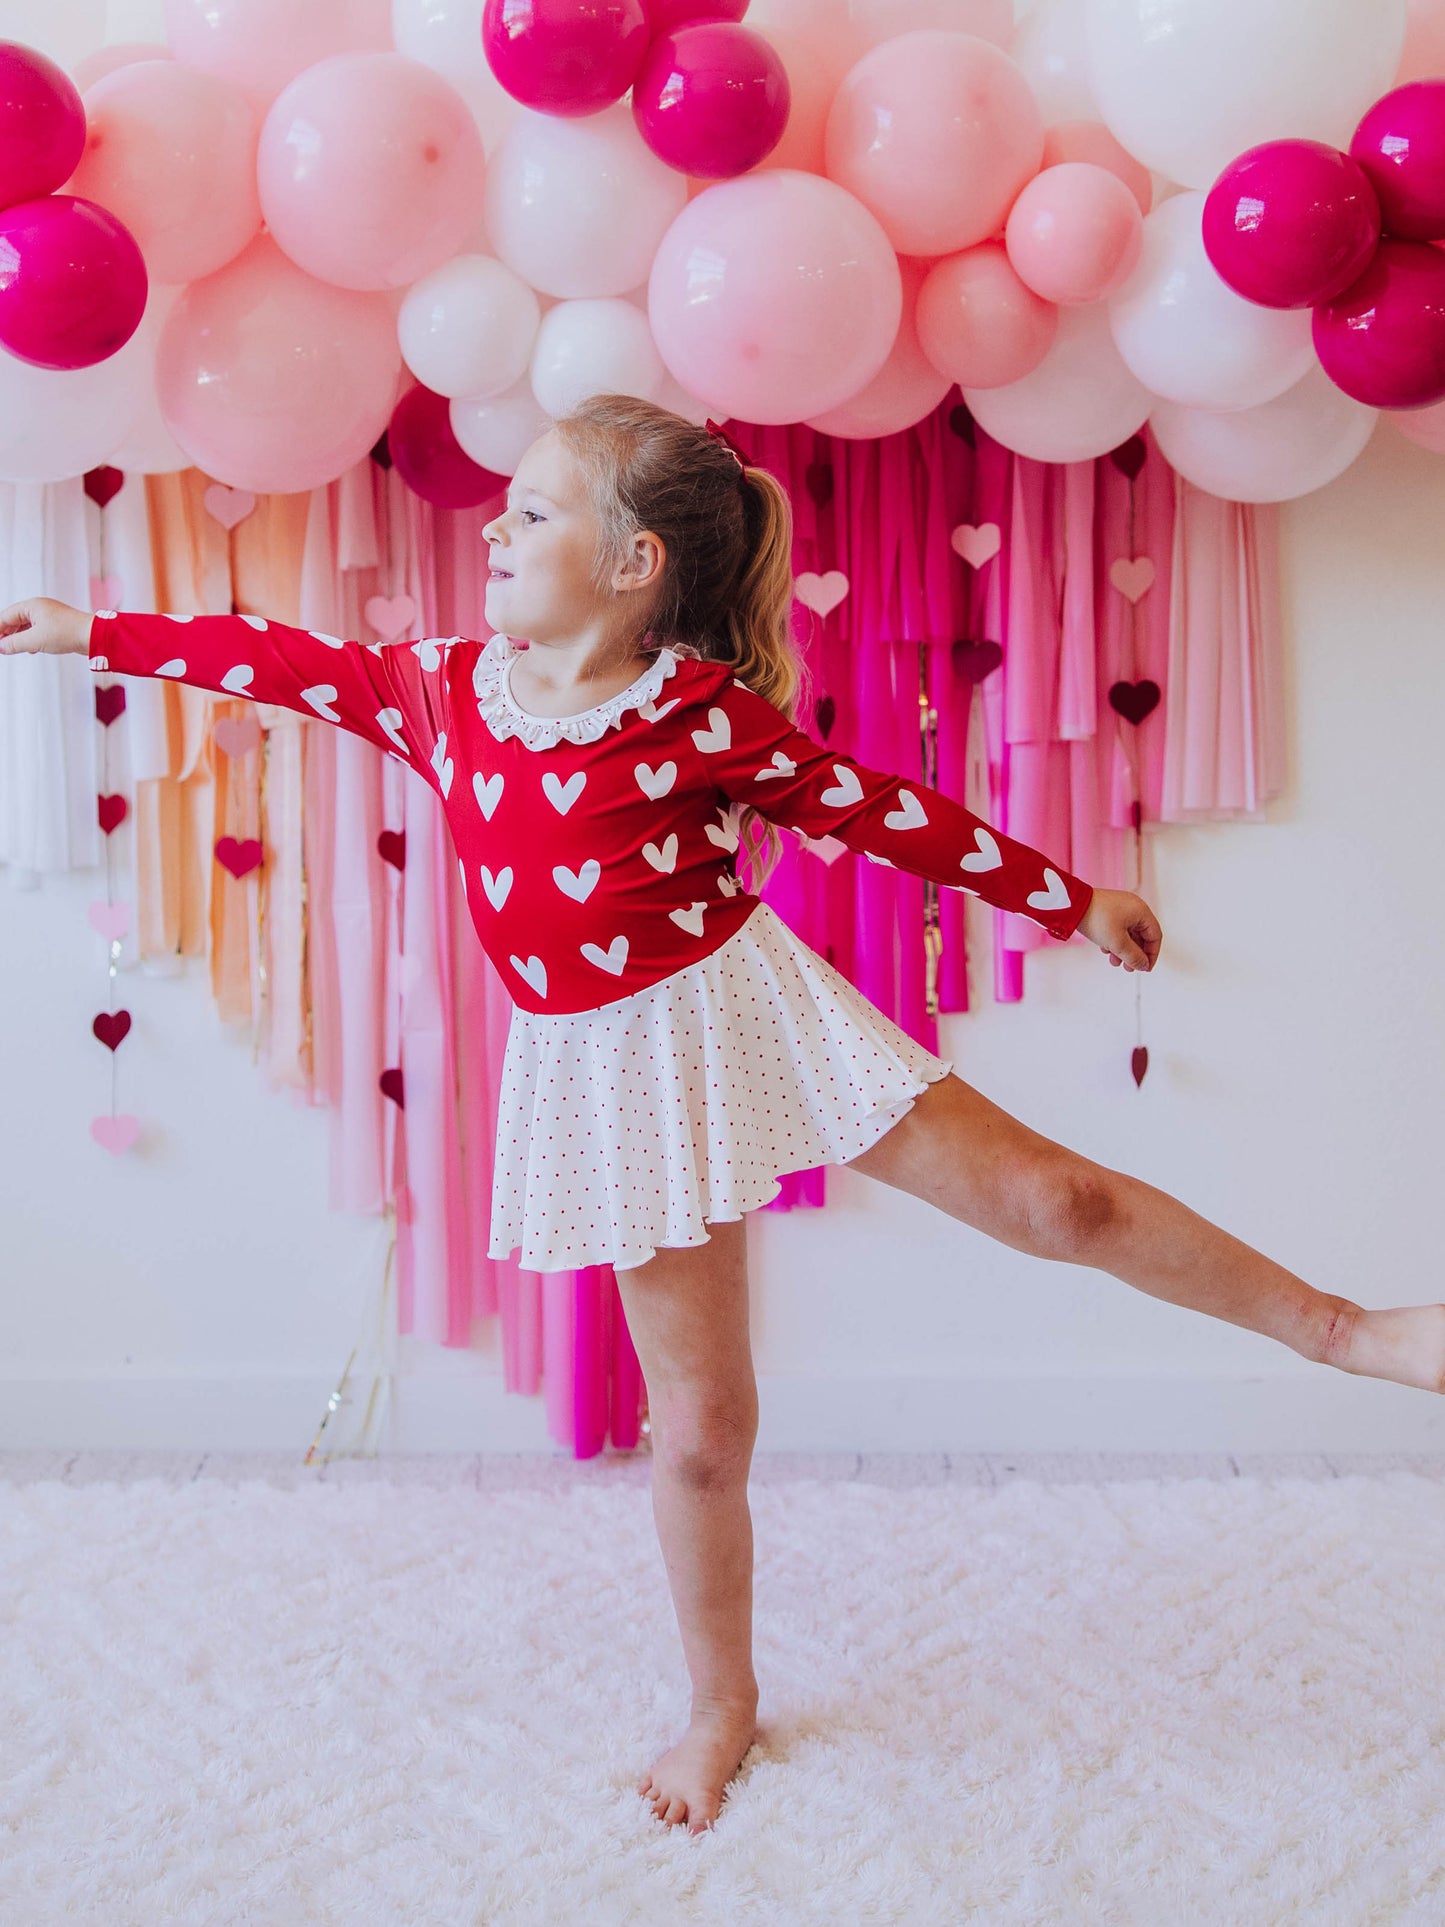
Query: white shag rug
{"type": "Point", "coordinates": [1176, 1703]}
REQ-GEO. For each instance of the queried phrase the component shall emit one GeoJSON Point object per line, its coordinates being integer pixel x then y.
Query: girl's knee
{"type": "Point", "coordinates": [705, 1438]}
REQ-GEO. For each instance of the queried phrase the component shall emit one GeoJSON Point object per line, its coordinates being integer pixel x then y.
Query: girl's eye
{"type": "Point", "coordinates": [533, 513]}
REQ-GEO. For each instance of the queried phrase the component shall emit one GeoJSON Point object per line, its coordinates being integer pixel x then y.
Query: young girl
{"type": "Point", "coordinates": [674, 1048]}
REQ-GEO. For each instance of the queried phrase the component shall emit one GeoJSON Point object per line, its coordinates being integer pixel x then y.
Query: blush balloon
{"type": "Point", "coordinates": [977, 321]}
{"type": "Point", "coordinates": [109, 60]}
{"type": "Point", "coordinates": [430, 459]}
{"type": "Point", "coordinates": [44, 123]}
{"type": "Point", "coordinates": [1400, 144]}
{"type": "Point", "coordinates": [711, 100]}
{"type": "Point", "coordinates": [260, 45]}
{"type": "Point", "coordinates": [72, 282]}
{"type": "Point", "coordinates": [906, 388]}
{"type": "Point", "coordinates": [1074, 233]}
{"type": "Point", "coordinates": [1383, 340]}
{"type": "Point", "coordinates": [1090, 140]}
{"type": "Point", "coordinates": [1291, 223]}
{"type": "Point", "coordinates": [565, 56]}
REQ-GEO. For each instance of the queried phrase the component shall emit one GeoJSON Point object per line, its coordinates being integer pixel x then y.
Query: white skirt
{"type": "Point", "coordinates": [635, 1126]}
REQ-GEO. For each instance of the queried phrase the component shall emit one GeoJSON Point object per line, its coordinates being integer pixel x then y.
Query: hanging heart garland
{"type": "Point", "coordinates": [1134, 700]}
{"type": "Point", "coordinates": [106, 592]}
{"type": "Point", "coordinates": [391, 846]}
{"type": "Point", "coordinates": [115, 1133]}
{"type": "Point", "coordinates": [390, 616]}
{"type": "Point", "coordinates": [111, 812]}
{"type": "Point", "coordinates": [112, 1027]}
{"type": "Point", "coordinates": [1139, 1062]}
{"type": "Point", "coordinates": [228, 506]}
{"type": "Point", "coordinates": [102, 485]}
{"type": "Point", "coordinates": [381, 451]}
{"type": "Point", "coordinates": [976, 660]}
{"type": "Point", "coordinates": [820, 593]}
{"type": "Point", "coordinates": [236, 736]}
{"type": "Point", "coordinates": [962, 424]}
{"type": "Point", "coordinates": [819, 479]}
{"type": "Point", "coordinates": [825, 712]}
{"type": "Point", "coordinates": [977, 545]}
{"type": "Point", "coordinates": [239, 857]}
{"type": "Point", "coordinates": [109, 702]}
{"type": "Point", "coordinates": [1132, 576]}
{"type": "Point", "coordinates": [109, 920]}
{"type": "Point", "coordinates": [1129, 457]}
{"type": "Point", "coordinates": [393, 1086]}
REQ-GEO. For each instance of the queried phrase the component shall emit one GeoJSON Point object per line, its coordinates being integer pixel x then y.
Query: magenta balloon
{"type": "Point", "coordinates": [430, 459]}
{"type": "Point", "coordinates": [666, 16]}
{"type": "Point", "coordinates": [42, 124]}
{"type": "Point", "coordinates": [1383, 340]}
{"type": "Point", "coordinates": [1400, 144]}
{"type": "Point", "coordinates": [1291, 223]}
{"type": "Point", "coordinates": [568, 57]}
{"type": "Point", "coordinates": [711, 100]}
{"type": "Point", "coordinates": [72, 282]}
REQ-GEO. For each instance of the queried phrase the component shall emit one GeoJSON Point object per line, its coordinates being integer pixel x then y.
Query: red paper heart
{"type": "Point", "coordinates": [103, 484]}
{"type": "Point", "coordinates": [109, 702]}
{"type": "Point", "coordinates": [392, 846]}
{"type": "Point", "coordinates": [381, 451]}
{"type": "Point", "coordinates": [239, 858]}
{"type": "Point", "coordinates": [393, 1087]}
{"type": "Point", "coordinates": [111, 810]}
{"type": "Point", "coordinates": [1134, 700]}
{"type": "Point", "coordinates": [962, 424]}
{"type": "Point", "coordinates": [1136, 813]}
{"type": "Point", "coordinates": [819, 477]}
{"type": "Point", "coordinates": [1129, 457]}
{"type": "Point", "coordinates": [824, 712]}
{"type": "Point", "coordinates": [975, 660]}
{"type": "Point", "coordinates": [1139, 1063]}
{"type": "Point", "coordinates": [112, 1027]}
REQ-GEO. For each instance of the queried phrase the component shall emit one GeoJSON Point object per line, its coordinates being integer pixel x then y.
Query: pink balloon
{"type": "Point", "coordinates": [1291, 223]}
{"type": "Point", "coordinates": [1074, 233]}
{"type": "Point", "coordinates": [43, 124]}
{"type": "Point", "coordinates": [273, 381]}
{"type": "Point", "coordinates": [565, 56]}
{"type": "Point", "coordinates": [1423, 55]}
{"type": "Point", "coordinates": [936, 133]}
{"type": "Point", "coordinates": [666, 16]}
{"type": "Point", "coordinates": [978, 323]}
{"type": "Point", "coordinates": [815, 58]}
{"type": "Point", "coordinates": [711, 100]}
{"type": "Point", "coordinates": [72, 282]}
{"type": "Point", "coordinates": [1090, 140]}
{"type": "Point", "coordinates": [1400, 144]}
{"type": "Point", "coordinates": [906, 388]}
{"type": "Point", "coordinates": [430, 459]}
{"type": "Point", "coordinates": [172, 152]}
{"type": "Point", "coordinates": [109, 60]}
{"type": "Point", "coordinates": [774, 297]}
{"type": "Point", "coordinates": [1383, 340]}
{"type": "Point", "coordinates": [1424, 426]}
{"type": "Point", "coordinates": [259, 45]}
{"type": "Point", "coordinates": [370, 168]}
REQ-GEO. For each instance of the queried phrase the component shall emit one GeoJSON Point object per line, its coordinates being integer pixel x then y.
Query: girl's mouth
{"type": "Point", "coordinates": [499, 575]}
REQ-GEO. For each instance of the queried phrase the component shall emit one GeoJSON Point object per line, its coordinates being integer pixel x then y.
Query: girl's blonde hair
{"type": "Point", "coordinates": [726, 591]}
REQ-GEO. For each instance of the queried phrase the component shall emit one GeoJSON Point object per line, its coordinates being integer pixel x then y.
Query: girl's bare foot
{"type": "Point", "coordinates": [1406, 1345]}
{"type": "Point", "coordinates": [687, 1783]}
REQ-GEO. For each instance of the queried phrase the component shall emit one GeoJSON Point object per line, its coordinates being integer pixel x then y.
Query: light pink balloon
{"type": "Point", "coordinates": [370, 169]}
{"type": "Point", "coordinates": [977, 322]}
{"type": "Point", "coordinates": [108, 60]}
{"type": "Point", "coordinates": [273, 381]}
{"type": "Point", "coordinates": [1425, 426]}
{"type": "Point", "coordinates": [1090, 140]}
{"type": "Point", "coordinates": [774, 297]}
{"type": "Point", "coordinates": [1074, 233]}
{"type": "Point", "coordinates": [906, 388]}
{"type": "Point", "coordinates": [880, 20]}
{"type": "Point", "coordinates": [815, 63]}
{"type": "Point", "coordinates": [261, 44]}
{"type": "Point", "coordinates": [936, 133]}
{"type": "Point", "coordinates": [172, 152]}
{"type": "Point", "coordinates": [1423, 56]}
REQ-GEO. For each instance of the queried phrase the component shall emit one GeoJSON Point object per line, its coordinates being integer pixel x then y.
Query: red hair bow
{"type": "Point", "coordinates": [720, 434]}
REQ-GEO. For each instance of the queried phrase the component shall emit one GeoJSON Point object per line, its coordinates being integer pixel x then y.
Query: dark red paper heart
{"type": "Point", "coordinates": [1139, 1062]}
{"type": "Point", "coordinates": [825, 712]}
{"type": "Point", "coordinates": [111, 1027]}
{"type": "Point", "coordinates": [392, 846]}
{"type": "Point", "coordinates": [111, 812]}
{"type": "Point", "coordinates": [1134, 700]}
{"type": "Point", "coordinates": [109, 702]}
{"type": "Point", "coordinates": [381, 451]}
{"type": "Point", "coordinates": [975, 660]}
{"type": "Point", "coordinates": [393, 1087]}
{"type": "Point", "coordinates": [961, 422]}
{"type": "Point", "coordinates": [103, 484]}
{"type": "Point", "coordinates": [237, 857]}
{"type": "Point", "coordinates": [1136, 813]}
{"type": "Point", "coordinates": [819, 477]}
{"type": "Point", "coordinates": [1129, 457]}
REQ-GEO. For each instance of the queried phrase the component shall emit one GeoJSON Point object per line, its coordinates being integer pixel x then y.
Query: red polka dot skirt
{"type": "Point", "coordinates": [635, 1126]}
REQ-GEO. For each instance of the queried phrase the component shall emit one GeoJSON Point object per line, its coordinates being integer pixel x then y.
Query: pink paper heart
{"type": "Point", "coordinates": [820, 593]}
{"type": "Point", "coordinates": [105, 592]}
{"type": "Point", "coordinates": [115, 1134]}
{"type": "Point", "coordinates": [1132, 578]}
{"type": "Point", "coordinates": [228, 506]}
{"type": "Point", "coordinates": [236, 735]}
{"type": "Point", "coordinates": [976, 545]}
{"type": "Point", "coordinates": [110, 919]}
{"type": "Point", "coordinates": [390, 615]}
{"type": "Point", "coordinates": [826, 847]}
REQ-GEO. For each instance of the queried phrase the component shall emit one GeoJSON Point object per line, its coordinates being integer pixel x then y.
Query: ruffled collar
{"type": "Point", "coordinates": [504, 717]}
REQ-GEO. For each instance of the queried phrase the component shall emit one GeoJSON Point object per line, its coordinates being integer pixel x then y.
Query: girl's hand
{"type": "Point", "coordinates": [42, 627]}
{"type": "Point", "coordinates": [1124, 927]}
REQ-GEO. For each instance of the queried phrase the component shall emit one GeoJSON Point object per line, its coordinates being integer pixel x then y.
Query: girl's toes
{"type": "Point", "coordinates": [644, 1785]}
{"type": "Point", "coordinates": [676, 1811]}
{"type": "Point", "coordinates": [702, 1819]}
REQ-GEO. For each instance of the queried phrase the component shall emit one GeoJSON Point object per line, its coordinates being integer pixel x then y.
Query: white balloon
{"type": "Point", "coordinates": [65, 30]}
{"type": "Point", "coordinates": [1187, 85]}
{"type": "Point", "coordinates": [447, 35]}
{"type": "Point", "coordinates": [468, 327]}
{"type": "Point", "coordinates": [1048, 44]}
{"type": "Point", "coordinates": [1188, 336]}
{"type": "Point", "coordinates": [578, 207]}
{"type": "Point", "coordinates": [594, 348]}
{"type": "Point", "coordinates": [57, 422]}
{"type": "Point", "coordinates": [1079, 402]}
{"type": "Point", "coordinates": [498, 433]}
{"type": "Point", "coordinates": [1284, 448]}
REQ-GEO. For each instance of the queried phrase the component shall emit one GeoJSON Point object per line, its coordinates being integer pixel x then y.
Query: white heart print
{"type": "Point", "coordinates": [256, 622]}
{"type": "Point", "coordinates": [487, 793]}
{"type": "Point", "coordinates": [332, 642]}
{"type": "Point", "coordinates": [718, 734]}
{"type": "Point", "coordinates": [1055, 895]}
{"type": "Point", "coordinates": [728, 885]}
{"type": "Point", "coordinates": [990, 858]}
{"type": "Point", "coordinates": [563, 795]}
{"type": "Point", "coordinates": [654, 712]}
{"type": "Point", "coordinates": [912, 816]}
{"type": "Point", "coordinates": [849, 789]}
{"type": "Point", "coordinates": [442, 764]}
{"type": "Point", "coordinates": [498, 887]}
{"type": "Point", "coordinates": [784, 766]}
{"type": "Point", "coordinates": [533, 972]}
{"type": "Point", "coordinates": [175, 667]}
{"type": "Point", "coordinates": [664, 859]}
{"type": "Point", "coordinates": [238, 680]}
{"type": "Point", "coordinates": [655, 782]}
{"type": "Point", "coordinates": [389, 721]}
{"type": "Point", "coordinates": [321, 696]}
{"type": "Point", "coordinates": [689, 919]}
{"type": "Point", "coordinates": [725, 838]}
{"type": "Point", "coordinates": [613, 958]}
{"type": "Point", "coordinates": [578, 884]}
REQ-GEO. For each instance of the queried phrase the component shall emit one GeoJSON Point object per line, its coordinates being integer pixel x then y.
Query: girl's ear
{"type": "Point", "coordinates": [644, 565]}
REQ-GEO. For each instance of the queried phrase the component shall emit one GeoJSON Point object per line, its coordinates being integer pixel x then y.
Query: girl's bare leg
{"type": "Point", "coordinates": [979, 1164]}
{"type": "Point", "coordinates": [687, 1311]}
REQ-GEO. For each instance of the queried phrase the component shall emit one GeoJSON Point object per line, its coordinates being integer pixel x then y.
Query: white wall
{"type": "Point", "coordinates": [1296, 1094]}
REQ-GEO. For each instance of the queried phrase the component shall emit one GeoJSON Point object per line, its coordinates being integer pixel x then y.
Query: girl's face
{"type": "Point", "coordinates": [541, 586]}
